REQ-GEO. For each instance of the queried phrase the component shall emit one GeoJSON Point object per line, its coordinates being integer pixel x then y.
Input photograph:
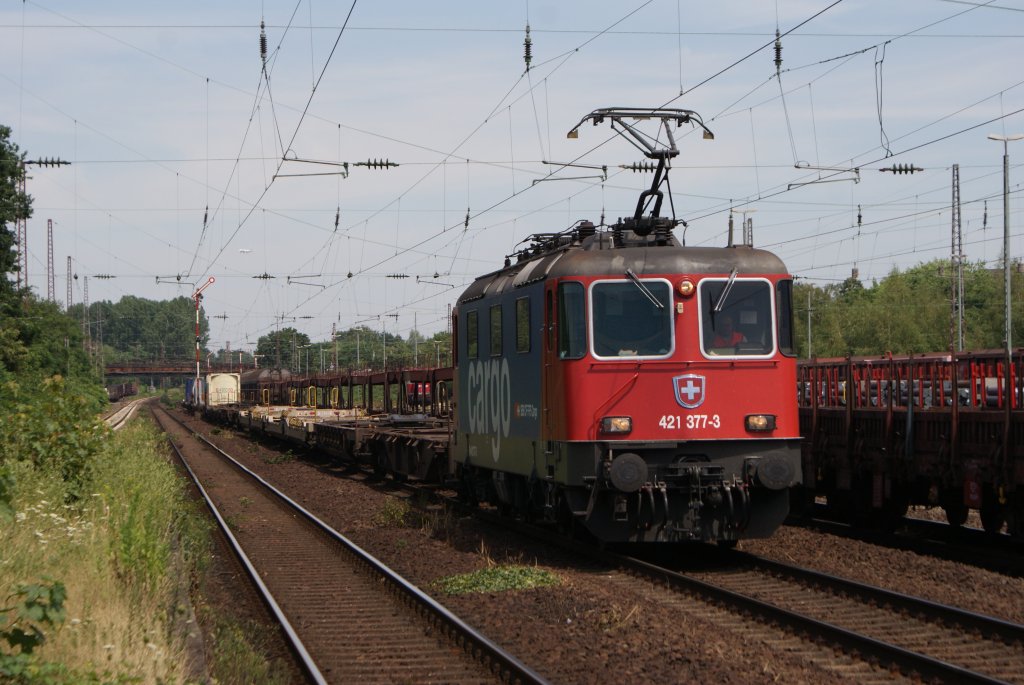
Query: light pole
{"type": "Point", "coordinates": [1005, 140]}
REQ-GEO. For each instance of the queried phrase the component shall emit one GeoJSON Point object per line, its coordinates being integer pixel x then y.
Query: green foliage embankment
{"type": "Point", "coordinates": [101, 544]}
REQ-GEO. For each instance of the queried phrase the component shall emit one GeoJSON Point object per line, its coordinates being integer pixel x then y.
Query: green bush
{"type": "Point", "coordinates": [53, 428]}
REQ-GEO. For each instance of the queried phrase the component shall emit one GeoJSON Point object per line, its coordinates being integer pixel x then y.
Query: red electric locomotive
{"type": "Point", "coordinates": [622, 382]}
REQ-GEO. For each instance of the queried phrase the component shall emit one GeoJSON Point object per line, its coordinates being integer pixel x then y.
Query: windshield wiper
{"type": "Point", "coordinates": [725, 291]}
{"type": "Point", "coordinates": [643, 288]}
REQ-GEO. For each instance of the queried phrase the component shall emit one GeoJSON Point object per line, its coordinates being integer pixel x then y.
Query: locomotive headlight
{"type": "Point", "coordinates": [686, 287]}
{"type": "Point", "coordinates": [760, 423]}
{"type": "Point", "coordinates": [616, 424]}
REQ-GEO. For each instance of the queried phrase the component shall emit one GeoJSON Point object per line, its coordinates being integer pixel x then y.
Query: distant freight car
{"type": "Point", "coordinates": [120, 391]}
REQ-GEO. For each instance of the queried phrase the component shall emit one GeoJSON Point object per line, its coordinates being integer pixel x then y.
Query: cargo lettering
{"type": "Point", "coordinates": [490, 401]}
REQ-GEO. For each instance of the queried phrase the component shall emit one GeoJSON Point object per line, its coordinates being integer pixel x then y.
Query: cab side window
{"type": "Point", "coordinates": [472, 335]}
{"type": "Point", "coordinates": [572, 323]}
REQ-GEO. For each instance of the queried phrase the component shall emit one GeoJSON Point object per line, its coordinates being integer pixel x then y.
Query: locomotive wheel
{"type": "Point", "coordinates": [728, 544]}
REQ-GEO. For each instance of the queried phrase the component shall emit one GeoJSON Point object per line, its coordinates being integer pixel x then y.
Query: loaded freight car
{"type": "Point", "coordinates": [221, 389]}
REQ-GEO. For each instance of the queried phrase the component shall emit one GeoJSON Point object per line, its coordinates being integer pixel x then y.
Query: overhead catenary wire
{"type": "Point", "coordinates": [406, 207]}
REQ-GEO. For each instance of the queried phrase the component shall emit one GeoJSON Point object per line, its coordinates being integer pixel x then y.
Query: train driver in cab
{"type": "Point", "coordinates": [726, 334]}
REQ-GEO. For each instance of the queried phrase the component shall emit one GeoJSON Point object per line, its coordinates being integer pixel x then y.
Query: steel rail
{"type": "Point", "coordinates": [907, 660]}
{"type": "Point", "coordinates": [510, 667]}
{"type": "Point", "coordinates": [305, 660]}
{"type": "Point", "coordinates": [119, 418]}
{"type": "Point", "coordinates": [1001, 554]}
{"type": "Point", "coordinates": [987, 625]}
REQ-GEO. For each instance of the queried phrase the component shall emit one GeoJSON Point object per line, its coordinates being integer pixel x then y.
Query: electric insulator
{"type": "Point", "coordinates": [206, 215]}
{"type": "Point", "coordinates": [263, 43]}
{"type": "Point", "coordinates": [984, 217]}
{"type": "Point", "coordinates": [375, 164]}
{"type": "Point", "coordinates": [639, 166]}
{"type": "Point", "coordinates": [902, 169]}
{"type": "Point", "coordinates": [858, 216]}
{"type": "Point", "coordinates": [465, 224]}
{"type": "Point", "coordinates": [778, 52]}
{"type": "Point", "coordinates": [527, 48]}
{"type": "Point", "coordinates": [337, 218]}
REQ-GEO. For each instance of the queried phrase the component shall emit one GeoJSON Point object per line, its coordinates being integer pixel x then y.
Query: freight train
{"type": "Point", "coordinates": [609, 379]}
{"type": "Point", "coordinates": [121, 390]}
{"type": "Point", "coordinates": [887, 432]}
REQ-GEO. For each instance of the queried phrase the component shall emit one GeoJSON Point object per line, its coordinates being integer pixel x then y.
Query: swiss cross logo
{"type": "Point", "coordinates": [689, 390]}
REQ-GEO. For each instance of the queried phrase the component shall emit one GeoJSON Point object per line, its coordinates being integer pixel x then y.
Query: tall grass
{"type": "Point", "coordinates": [112, 550]}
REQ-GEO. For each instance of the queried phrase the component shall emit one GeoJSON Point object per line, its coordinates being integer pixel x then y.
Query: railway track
{"type": "Point", "coordinates": [348, 617]}
{"type": "Point", "coordinates": [118, 419]}
{"type": "Point", "coordinates": [909, 638]}
{"type": "Point", "coordinates": [974, 547]}
{"type": "Point", "coordinates": [873, 626]}
{"type": "Point", "coordinates": [921, 639]}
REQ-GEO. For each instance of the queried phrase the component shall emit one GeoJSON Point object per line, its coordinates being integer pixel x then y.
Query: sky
{"type": "Point", "coordinates": [193, 157]}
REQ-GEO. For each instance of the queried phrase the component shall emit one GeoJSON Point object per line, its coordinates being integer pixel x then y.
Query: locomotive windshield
{"type": "Point", "coordinates": [736, 317]}
{"type": "Point", "coordinates": [627, 322]}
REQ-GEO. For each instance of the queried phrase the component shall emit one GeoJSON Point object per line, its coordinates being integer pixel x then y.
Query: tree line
{"type": "Point", "coordinates": [909, 311]}
{"type": "Point", "coordinates": [358, 348]}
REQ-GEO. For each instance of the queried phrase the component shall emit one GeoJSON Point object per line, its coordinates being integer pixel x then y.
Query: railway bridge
{"type": "Point", "coordinates": [169, 368]}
